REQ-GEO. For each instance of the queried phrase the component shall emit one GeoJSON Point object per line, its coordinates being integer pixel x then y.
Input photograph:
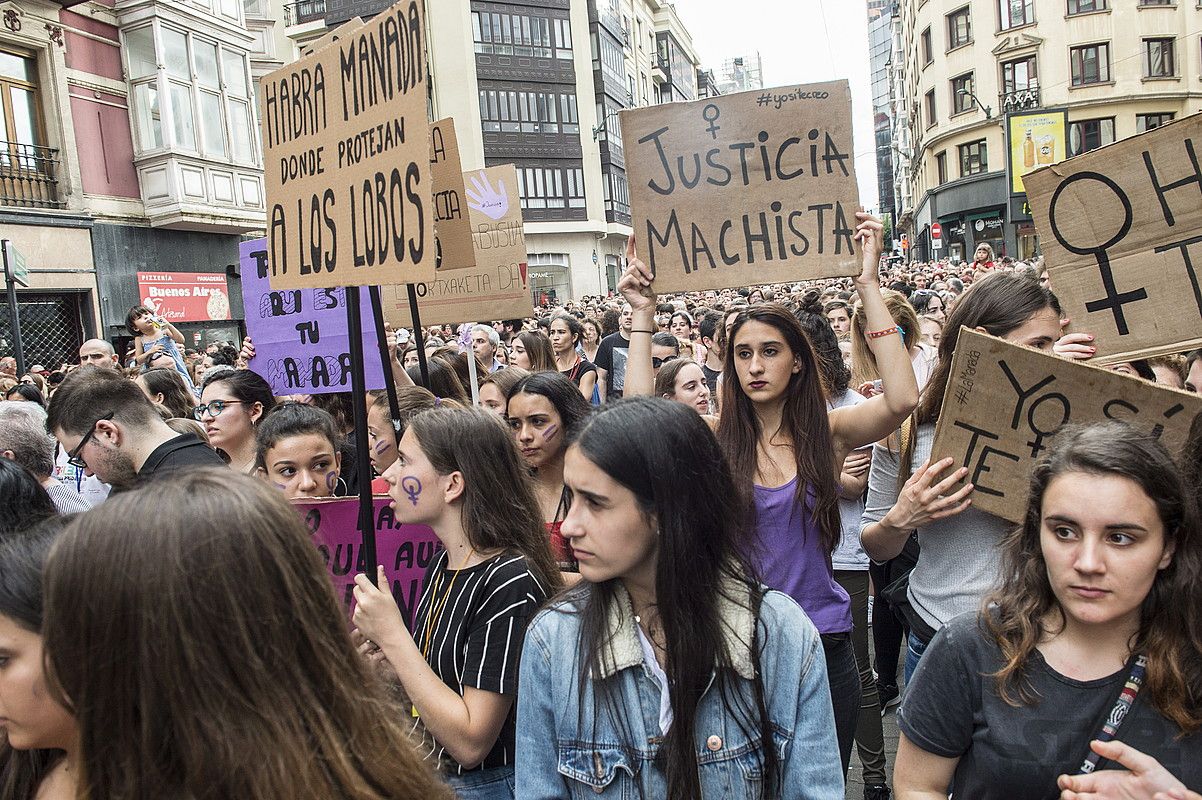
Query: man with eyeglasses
{"type": "Point", "coordinates": [109, 429]}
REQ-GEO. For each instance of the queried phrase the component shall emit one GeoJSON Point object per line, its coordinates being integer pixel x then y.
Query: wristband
{"type": "Point", "coordinates": [633, 330]}
{"type": "Point", "coordinates": [886, 332]}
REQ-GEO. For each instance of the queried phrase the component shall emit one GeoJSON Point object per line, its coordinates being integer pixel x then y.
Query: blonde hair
{"type": "Point", "coordinates": [863, 363]}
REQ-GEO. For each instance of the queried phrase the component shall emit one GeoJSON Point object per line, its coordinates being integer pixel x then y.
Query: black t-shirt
{"type": "Point", "coordinates": [475, 621]}
{"type": "Point", "coordinates": [582, 368]}
{"type": "Point", "coordinates": [611, 357]}
{"type": "Point", "coordinates": [185, 450]}
{"type": "Point", "coordinates": [711, 379]}
{"type": "Point", "coordinates": [952, 709]}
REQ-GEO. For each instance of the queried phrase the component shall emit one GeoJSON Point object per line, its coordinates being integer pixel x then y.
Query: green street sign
{"type": "Point", "coordinates": [16, 268]}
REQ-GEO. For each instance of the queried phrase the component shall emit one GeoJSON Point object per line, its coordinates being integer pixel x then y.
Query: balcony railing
{"type": "Point", "coordinates": [28, 176]}
{"type": "Point", "coordinates": [304, 11]}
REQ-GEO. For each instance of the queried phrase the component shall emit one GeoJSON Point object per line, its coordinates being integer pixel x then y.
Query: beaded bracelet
{"type": "Point", "coordinates": [886, 332]}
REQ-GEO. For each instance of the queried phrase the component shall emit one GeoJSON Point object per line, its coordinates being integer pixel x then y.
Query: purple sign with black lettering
{"type": "Point", "coordinates": [405, 551]}
{"type": "Point", "coordinates": [301, 338]}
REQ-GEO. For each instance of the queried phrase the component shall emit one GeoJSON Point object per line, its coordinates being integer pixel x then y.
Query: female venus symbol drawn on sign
{"type": "Point", "coordinates": [710, 114]}
{"type": "Point", "coordinates": [1114, 300]}
{"type": "Point", "coordinates": [412, 488]}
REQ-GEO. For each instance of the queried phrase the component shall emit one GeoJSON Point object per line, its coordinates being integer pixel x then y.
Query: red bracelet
{"type": "Point", "coordinates": [886, 332]}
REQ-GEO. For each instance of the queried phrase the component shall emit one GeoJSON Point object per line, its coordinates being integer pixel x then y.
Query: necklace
{"type": "Point", "coordinates": [436, 615]}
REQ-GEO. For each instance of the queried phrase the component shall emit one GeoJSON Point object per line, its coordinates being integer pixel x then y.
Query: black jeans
{"type": "Point", "coordinates": [870, 738]}
{"type": "Point", "coordinates": [844, 680]}
{"type": "Point", "coordinates": [889, 628]}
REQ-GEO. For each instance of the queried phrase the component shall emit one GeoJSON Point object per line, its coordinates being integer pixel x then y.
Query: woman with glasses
{"type": "Point", "coordinates": [665, 348]}
{"type": "Point", "coordinates": [232, 402]}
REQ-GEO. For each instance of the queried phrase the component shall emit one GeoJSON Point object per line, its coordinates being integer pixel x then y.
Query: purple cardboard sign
{"type": "Point", "coordinates": [405, 551]}
{"type": "Point", "coordinates": [302, 342]}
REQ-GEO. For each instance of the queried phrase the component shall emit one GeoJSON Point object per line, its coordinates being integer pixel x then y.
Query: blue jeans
{"type": "Point", "coordinates": [495, 783]}
{"type": "Point", "coordinates": [915, 647]}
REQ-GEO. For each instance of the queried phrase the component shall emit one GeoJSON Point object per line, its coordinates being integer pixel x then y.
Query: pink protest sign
{"type": "Point", "coordinates": [405, 551]}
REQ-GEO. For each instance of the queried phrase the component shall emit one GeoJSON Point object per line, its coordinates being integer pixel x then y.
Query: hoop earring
{"type": "Point", "coordinates": [340, 484]}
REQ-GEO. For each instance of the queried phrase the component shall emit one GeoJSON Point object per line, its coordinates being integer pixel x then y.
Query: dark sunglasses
{"type": "Point", "coordinates": [659, 362]}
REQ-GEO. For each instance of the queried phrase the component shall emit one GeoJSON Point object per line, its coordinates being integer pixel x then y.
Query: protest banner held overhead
{"type": "Point", "coordinates": [302, 345]}
{"type": "Point", "coordinates": [1121, 229]}
{"type": "Point", "coordinates": [497, 287]}
{"type": "Point", "coordinates": [1005, 403]}
{"type": "Point", "coordinates": [452, 219]}
{"type": "Point", "coordinates": [346, 148]}
{"type": "Point", "coordinates": [405, 551]}
{"type": "Point", "coordinates": [756, 187]}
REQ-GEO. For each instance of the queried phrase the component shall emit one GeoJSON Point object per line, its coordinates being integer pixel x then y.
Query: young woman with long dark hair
{"type": "Point", "coordinates": [543, 410]}
{"type": "Point", "coordinates": [786, 449]}
{"type": "Point", "coordinates": [298, 451]}
{"type": "Point", "coordinates": [459, 472]}
{"type": "Point", "coordinates": [39, 749]}
{"type": "Point", "coordinates": [232, 402]}
{"type": "Point", "coordinates": [958, 559]}
{"type": "Point", "coordinates": [1097, 604]}
{"type": "Point", "coordinates": [668, 671]}
{"type": "Point", "coordinates": [232, 674]}
{"type": "Point", "coordinates": [531, 350]}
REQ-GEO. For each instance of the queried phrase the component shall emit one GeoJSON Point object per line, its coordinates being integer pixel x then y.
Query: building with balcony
{"type": "Point", "coordinates": [880, 57]}
{"type": "Point", "coordinates": [741, 74]}
{"type": "Point", "coordinates": [540, 84]}
{"type": "Point", "coordinates": [129, 145]}
{"type": "Point", "coordinates": [1119, 67]}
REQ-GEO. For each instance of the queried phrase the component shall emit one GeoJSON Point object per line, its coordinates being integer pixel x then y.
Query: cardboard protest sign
{"type": "Point", "coordinates": [302, 345]}
{"type": "Point", "coordinates": [497, 287]}
{"type": "Point", "coordinates": [346, 147]}
{"type": "Point", "coordinates": [1004, 404]}
{"type": "Point", "coordinates": [452, 223]}
{"type": "Point", "coordinates": [333, 36]}
{"type": "Point", "coordinates": [405, 551]}
{"type": "Point", "coordinates": [1122, 231]}
{"type": "Point", "coordinates": [756, 187]}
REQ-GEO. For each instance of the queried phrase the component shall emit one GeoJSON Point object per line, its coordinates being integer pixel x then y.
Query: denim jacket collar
{"type": "Point", "coordinates": [623, 650]}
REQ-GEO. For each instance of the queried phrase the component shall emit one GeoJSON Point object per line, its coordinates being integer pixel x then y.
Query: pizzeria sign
{"type": "Point", "coordinates": [185, 296]}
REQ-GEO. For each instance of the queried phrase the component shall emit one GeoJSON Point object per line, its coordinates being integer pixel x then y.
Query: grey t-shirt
{"type": "Point", "coordinates": [959, 560]}
{"type": "Point", "coordinates": [953, 709]}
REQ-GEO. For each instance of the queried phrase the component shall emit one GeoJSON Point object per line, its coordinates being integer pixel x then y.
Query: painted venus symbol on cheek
{"type": "Point", "coordinates": [331, 481]}
{"type": "Point", "coordinates": [412, 487]}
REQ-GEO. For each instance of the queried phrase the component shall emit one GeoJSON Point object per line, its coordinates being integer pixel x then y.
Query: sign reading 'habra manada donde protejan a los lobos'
{"type": "Point", "coordinates": [346, 145]}
{"type": "Point", "coordinates": [756, 187]}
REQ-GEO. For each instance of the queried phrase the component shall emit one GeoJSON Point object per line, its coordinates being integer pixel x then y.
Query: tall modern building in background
{"type": "Point", "coordinates": [741, 74]}
{"type": "Point", "coordinates": [1118, 67]}
{"type": "Point", "coordinates": [880, 56]}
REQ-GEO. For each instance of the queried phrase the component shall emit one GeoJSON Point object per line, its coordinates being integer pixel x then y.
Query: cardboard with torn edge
{"type": "Point", "coordinates": [755, 187]}
{"type": "Point", "coordinates": [1122, 233]}
{"type": "Point", "coordinates": [452, 219]}
{"type": "Point", "coordinates": [1004, 404]}
{"type": "Point", "coordinates": [497, 287]}
{"type": "Point", "coordinates": [346, 145]}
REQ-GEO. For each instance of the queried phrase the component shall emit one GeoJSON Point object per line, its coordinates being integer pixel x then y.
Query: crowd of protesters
{"type": "Point", "coordinates": [670, 526]}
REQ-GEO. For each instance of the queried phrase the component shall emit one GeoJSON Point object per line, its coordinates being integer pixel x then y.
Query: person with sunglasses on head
{"type": "Point", "coordinates": [110, 429]}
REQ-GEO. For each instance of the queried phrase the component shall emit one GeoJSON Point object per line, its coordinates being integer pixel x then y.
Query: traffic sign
{"type": "Point", "coordinates": [936, 232]}
{"type": "Point", "coordinates": [16, 268]}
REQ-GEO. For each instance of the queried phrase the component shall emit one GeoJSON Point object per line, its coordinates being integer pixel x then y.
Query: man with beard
{"type": "Point", "coordinates": [110, 429]}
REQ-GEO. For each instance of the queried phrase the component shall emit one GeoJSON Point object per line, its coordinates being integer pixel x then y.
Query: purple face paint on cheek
{"type": "Point", "coordinates": [380, 447]}
{"type": "Point", "coordinates": [331, 481]}
{"type": "Point", "coordinates": [412, 487]}
{"type": "Point", "coordinates": [549, 432]}
{"type": "Point", "coordinates": [282, 487]}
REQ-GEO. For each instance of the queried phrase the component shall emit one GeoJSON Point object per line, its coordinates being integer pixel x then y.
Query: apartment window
{"type": "Point", "coordinates": [941, 167]}
{"type": "Point", "coordinates": [21, 125]}
{"type": "Point", "coordinates": [551, 187]}
{"type": "Point", "coordinates": [959, 28]}
{"type": "Point", "coordinates": [1013, 13]}
{"type": "Point", "coordinates": [1159, 60]}
{"type": "Point", "coordinates": [521, 35]}
{"type": "Point", "coordinates": [617, 194]}
{"type": "Point", "coordinates": [1089, 134]}
{"type": "Point", "coordinates": [1157, 2]}
{"type": "Point", "coordinates": [1020, 75]}
{"type": "Point", "coordinates": [930, 108]}
{"type": "Point", "coordinates": [608, 57]}
{"type": "Point", "coordinates": [503, 111]}
{"type": "Point", "coordinates": [1090, 64]}
{"type": "Point", "coordinates": [974, 158]}
{"type": "Point", "coordinates": [928, 52]}
{"type": "Point", "coordinates": [1146, 122]}
{"type": "Point", "coordinates": [199, 101]}
{"type": "Point", "coordinates": [961, 97]}
{"type": "Point", "coordinates": [1087, 6]}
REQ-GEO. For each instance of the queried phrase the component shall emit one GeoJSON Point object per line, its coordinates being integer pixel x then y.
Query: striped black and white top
{"type": "Point", "coordinates": [477, 619]}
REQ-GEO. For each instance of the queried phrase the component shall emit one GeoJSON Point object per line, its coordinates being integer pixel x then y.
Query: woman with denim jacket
{"type": "Point", "coordinates": [668, 671]}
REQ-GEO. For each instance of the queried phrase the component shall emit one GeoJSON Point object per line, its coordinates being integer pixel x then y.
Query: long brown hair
{"type": "Point", "coordinates": [500, 510]}
{"type": "Point", "coordinates": [804, 420]}
{"type": "Point", "coordinates": [196, 634]}
{"type": "Point", "coordinates": [538, 350]}
{"type": "Point", "coordinates": [1000, 303]}
{"type": "Point", "coordinates": [1170, 632]}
